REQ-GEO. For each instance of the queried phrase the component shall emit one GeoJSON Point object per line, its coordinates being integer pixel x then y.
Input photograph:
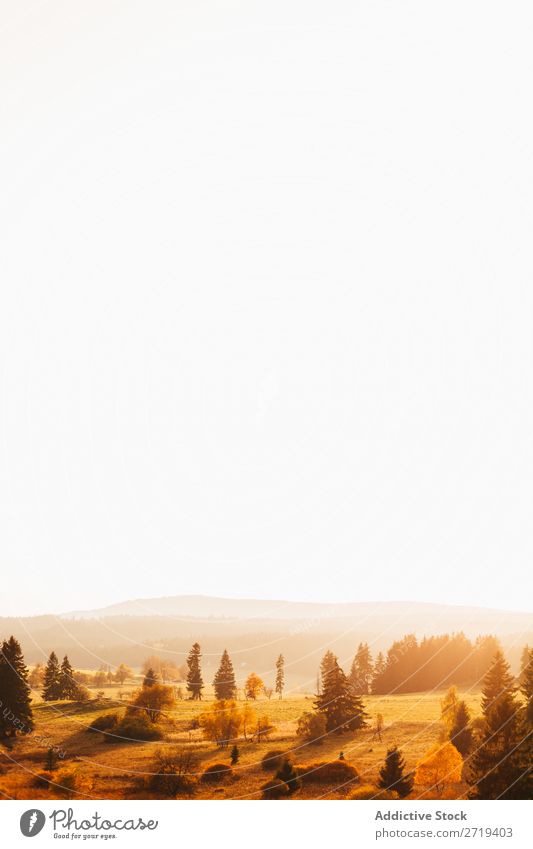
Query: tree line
{"type": "Point", "coordinates": [411, 666]}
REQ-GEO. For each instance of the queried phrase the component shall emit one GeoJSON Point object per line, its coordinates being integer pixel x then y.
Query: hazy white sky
{"type": "Point", "coordinates": [265, 324]}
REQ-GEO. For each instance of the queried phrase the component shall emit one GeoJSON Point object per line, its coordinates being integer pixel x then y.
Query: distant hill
{"type": "Point", "coordinates": [254, 631]}
{"type": "Point", "coordinates": [424, 616]}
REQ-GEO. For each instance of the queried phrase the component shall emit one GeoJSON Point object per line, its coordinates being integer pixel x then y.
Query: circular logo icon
{"type": "Point", "coordinates": [32, 822]}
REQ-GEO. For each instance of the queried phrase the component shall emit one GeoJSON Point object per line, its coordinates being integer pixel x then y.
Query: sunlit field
{"type": "Point", "coordinates": [89, 766]}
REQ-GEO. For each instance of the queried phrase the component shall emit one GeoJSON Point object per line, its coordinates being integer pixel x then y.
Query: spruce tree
{"type": "Point", "coordinates": [361, 670]}
{"type": "Point", "coordinates": [280, 675]}
{"type": "Point", "coordinates": [326, 664]}
{"type": "Point", "coordinates": [524, 787]}
{"type": "Point", "coordinates": [496, 764]}
{"type": "Point", "coordinates": [224, 681]}
{"type": "Point", "coordinates": [461, 733]}
{"type": "Point", "coordinates": [195, 682]}
{"type": "Point", "coordinates": [51, 683]}
{"type": "Point", "coordinates": [379, 670]}
{"type": "Point", "coordinates": [68, 687]}
{"type": "Point", "coordinates": [343, 710]}
{"type": "Point", "coordinates": [15, 693]}
{"type": "Point", "coordinates": [526, 685]}
{"type": "Point", "coordinates": [392, 775]}
{"type": "Point", "coordinates": [151, 678]}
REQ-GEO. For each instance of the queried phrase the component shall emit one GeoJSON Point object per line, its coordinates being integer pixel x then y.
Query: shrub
{"type": "Point", "coordinates": [155, 700]}
{"type": "Point", "coordinates": [335, 772]}
{"type": "Point", "coordinates": [274, 789]}
{"type": "Point", "coordinates": [368, 791]}
{"type": "Point", "coordinates": [169, 783]}
{"type": "Point", "coordinates": [289, 776]}
{"type": "Point", "coordinates": [174, 774]}
{"type": "Point", "coordinates": [133, 729]}
{"type": "Point", "coordinates": [217, 772]}
{"type": "Point", "coordinates": [106, 722]}
{"type": "Point", "coordinates": [70, 783]}
{"type": "Point", "coordinates": [43, 779]}
{"type": "Point", "coordinates": [223, 721]}
{"type": "Point", "coordinates": [273, 760]}
{"type": "Point", "coordinates": [312, 726]}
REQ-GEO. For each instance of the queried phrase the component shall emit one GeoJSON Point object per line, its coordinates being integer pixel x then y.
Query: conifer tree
{"type": "Point", "coordinates": [344, 711]}
{"type": "Point", "coordinates": [68, 687]}
{"type": "Point", "coordinates": [151, 678]}
{"type": "Point", "coordinates": [280, 675]}
{"type": "Point", "coordinates": [496, 764]}
{"type": "Point", "coordinates": [461, 734]}
{"type": "Point", "coordinates": [224, 681]}
{"type": "Point", "coordinates": [15, 693]}
{"type": "Point", "coordinates": [526, 685]}
{"type": "Point", "coordinates": [379, 671]}
{"type": "Point", "coordinates": [195, 682]}
{"type": "Point", "coordinates": [51, 683]}
{"type": "Point", "coordinates": [392, 774]}
{"type": "Point", "coordinates": [235, 755]}
{"type": "Point", "coordinates": [361, 670]}
{"type": "Point", "coordinates": [326, 664]}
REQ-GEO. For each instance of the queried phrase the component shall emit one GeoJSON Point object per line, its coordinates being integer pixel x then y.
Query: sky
{"type": "Point", "coordinates": [265, 323]}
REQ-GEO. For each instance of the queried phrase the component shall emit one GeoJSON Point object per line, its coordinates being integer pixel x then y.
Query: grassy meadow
{"type": "Point", "coordinates": [122, 769]}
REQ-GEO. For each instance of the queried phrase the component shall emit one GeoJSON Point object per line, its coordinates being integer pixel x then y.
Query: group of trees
{"type": "Point", "coordinates": [410, 666]}
{"type": "Point", "coordinates": [224, 682]}
{"type": "Point", "coordinates": [435, 662]}
{"type": "Point", "coordinates": [336, 701]}
{"type": "Point", "coordinates": [59, 681]}
{"type": "Point", "coordinates": [226, 720]}
{"type": "Point", "coordinates": [103, 677]}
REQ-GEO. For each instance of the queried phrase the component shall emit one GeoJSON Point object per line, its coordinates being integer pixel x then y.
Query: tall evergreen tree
{"type": "Point", "coordinates": [379, 670]}
{"type": "Point", "coordinates": [496, 771]}
{"type": "Point", "coordinates": [392, 774]}
{"type": "Point", "coordinates": [68, 687]}
{"type": "Point", "coordinates": [195, 682]}
{"type": "Point", "coordinates": [15, 694]}
{"type": "Point", "coordinates": [343, 710]}
{"type": "Point", "coordinates": [526, 685]}
{"type": "Point", "coordinates": [361, 671]}
{"type": "Point", "coordinates": [280, 675]}
{"type": "Point", "coordinates": [224, 681]}
{"type": "Point", "coordinates": [326, 664]}
{"type": "Point", "coordinates": [51, 683]}
{"type": "Point", "coordinates": [461, 734]}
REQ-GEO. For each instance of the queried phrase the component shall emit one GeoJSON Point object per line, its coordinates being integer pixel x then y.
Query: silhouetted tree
{"type": "Point", "coordinates": [496, 764]}
{"type": "Point", "coordinates": [151, 678]}
{"type": "Point", "coordinates": [361, 671]}
{"type": "Point", "coordinates": [224, 681]}
{"type": "Point", "coordinates": [392, 774]}
{"type": "Point", "coordinates": [344, 711]}
{"type": "Point", "coordinates": [68, 687]}
{"type": "Point", "coordinates": [234, 755]}
{"type": "Point", "coordinates": [195, 682]}
{"type": "Point", "coordinates": [15, 695]}
{"type": "Point", "coordinates": [51, 683]}
{"type": "Point", "coordinates": [461, 734]}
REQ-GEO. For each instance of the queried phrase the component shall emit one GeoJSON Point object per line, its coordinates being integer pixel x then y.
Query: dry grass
{"type": "Point", "coordinates": [120, 770]}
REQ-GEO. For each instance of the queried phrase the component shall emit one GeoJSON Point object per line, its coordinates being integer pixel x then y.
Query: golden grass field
{"type": "Point", "coordinates": [120, 770]}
